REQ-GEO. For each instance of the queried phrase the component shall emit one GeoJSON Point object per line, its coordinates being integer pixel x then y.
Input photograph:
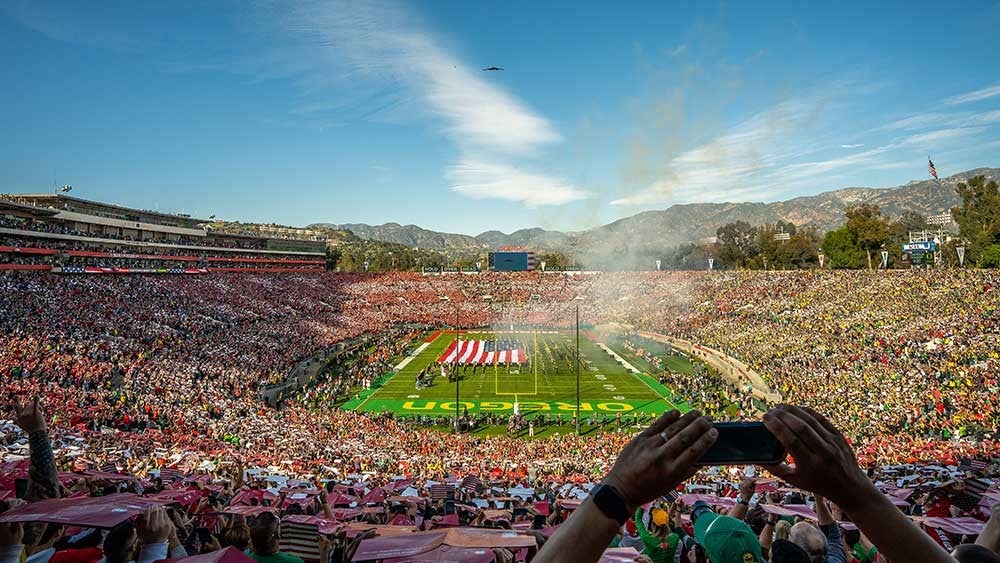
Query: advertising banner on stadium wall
{"type": "Point", "coordinates": [96, 270]}
{"type": "Point", "coordinates": [38, 267]}
{"type": "Point", "coordinates": [21, 250]}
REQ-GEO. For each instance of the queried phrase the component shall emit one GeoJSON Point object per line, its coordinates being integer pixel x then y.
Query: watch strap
{"type": "Point", "coordinates": [610, 502]}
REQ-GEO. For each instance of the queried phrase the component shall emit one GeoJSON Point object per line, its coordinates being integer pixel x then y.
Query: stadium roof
{"type": "Point", "coordinates": [58, 197]}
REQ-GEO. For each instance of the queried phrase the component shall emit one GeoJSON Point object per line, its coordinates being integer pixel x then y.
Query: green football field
{"type": "Point", "coordinates": [545, 385]}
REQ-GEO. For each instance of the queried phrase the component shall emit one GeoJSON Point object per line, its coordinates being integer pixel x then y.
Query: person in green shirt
{"type": "Point", "coordinates": [265, 535]}
{"type": "Point", "coordinates": [660, 542]}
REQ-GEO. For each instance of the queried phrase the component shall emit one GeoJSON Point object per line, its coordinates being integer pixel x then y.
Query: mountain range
{"type": "Point", "coordinates": [684, 223]}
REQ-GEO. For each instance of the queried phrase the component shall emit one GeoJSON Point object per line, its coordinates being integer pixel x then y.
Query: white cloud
{"type": "Point", "coordinates": [481, 179]}
{"type": "Point", "coordinates": [734, 164]}
{"type": "Point", "coordinates": [384, 48]}
{"type": "Point", "coordinates": [379, 42]}
{"type": "Point", "coordinates": [934, 137]}
{"type": "Point", "coordinates": [938, 119]}
{"type": "Point", "coordinates": [975, 95]}
{"type": "Point", "coordinates": [70, 23]}
{"type": "Point", "coordinates": [775, 152]}
{"type": "Point", "coordinates": [808, 169]}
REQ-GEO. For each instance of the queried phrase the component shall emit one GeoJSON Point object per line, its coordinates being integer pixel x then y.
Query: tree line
{"type": "Point", "coordinates": [858, 243]}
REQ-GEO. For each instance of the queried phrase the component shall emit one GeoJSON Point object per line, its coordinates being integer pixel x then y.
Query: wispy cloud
{"type": "Point", "coordinates": [481, 179]}
{"type": "Point", "coordinates": [975, 95]}
{"type": "Point", "coordinates": [940, 119]}
{"type": "Point", "coordinates": [734, 164]}
{"type": "Point", "coordinates": [775, 153]}
{"type": "Point", "coordinates": [69, 24]}
{"type": "Point", "coordinates": [380, 43]}
{"type": "Point", "coordinates": [931, 138]}
{"type": "Point", "coordinates": [874, 158]}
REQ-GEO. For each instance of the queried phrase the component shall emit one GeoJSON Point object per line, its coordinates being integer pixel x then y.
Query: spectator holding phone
{"type": "Point", "coordinates": [664, 455]}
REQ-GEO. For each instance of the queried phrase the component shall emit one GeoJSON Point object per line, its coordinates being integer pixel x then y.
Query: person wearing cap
{"type": "Point", "coordinates": [725, 539]}
{"type": "Point", "coordinates": [660, 543]}
{"type": "Point", "coordinates": [664, 455]}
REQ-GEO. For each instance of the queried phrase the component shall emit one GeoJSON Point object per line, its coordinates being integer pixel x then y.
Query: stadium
{"type": "Point", "coordinates": [242, 351]}
{"type": "Point", "coordinates": [330, 282]}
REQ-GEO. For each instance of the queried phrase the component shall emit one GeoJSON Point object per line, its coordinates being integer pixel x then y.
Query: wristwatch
{"type": "Point", "coordinates": [610, 502]}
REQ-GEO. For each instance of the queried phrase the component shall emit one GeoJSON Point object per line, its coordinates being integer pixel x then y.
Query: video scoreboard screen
{"type": "Point", "coordinates": [512, 261]}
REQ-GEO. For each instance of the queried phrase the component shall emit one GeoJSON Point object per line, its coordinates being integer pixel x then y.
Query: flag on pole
{"type": "Point", "coordinates": [931, 169]}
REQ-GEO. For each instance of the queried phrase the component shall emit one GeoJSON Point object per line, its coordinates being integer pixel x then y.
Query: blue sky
{"type": "Point", "coordinates": [324, 111]}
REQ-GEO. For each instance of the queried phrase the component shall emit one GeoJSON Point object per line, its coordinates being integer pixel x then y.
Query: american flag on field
{"type": "Point", "coordinates": [472, 483]}
{"type": "Point", "coordinates": [931, 169]}
{"type": "Point", "coordinates": [484, 352]}
{"type": "Point", "coordinates": [442, 491]}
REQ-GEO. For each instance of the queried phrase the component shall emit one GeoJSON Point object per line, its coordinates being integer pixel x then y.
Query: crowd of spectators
{"type": "Point", "coordinates": [146, 373]}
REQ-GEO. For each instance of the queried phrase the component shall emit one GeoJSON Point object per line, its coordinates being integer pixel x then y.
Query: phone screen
{"type": "Point", "coordinates": [743, 443]}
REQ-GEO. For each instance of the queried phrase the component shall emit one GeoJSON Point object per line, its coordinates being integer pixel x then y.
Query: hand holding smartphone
{"type": "Point", "coordinates": [743, 443]}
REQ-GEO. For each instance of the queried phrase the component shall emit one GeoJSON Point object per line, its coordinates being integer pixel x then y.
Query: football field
{"type": "Point", "coordinates": [611, 381]}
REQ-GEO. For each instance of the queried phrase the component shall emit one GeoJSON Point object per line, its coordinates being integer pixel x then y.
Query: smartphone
{"type": "Point", "coordinates": [742, 443]}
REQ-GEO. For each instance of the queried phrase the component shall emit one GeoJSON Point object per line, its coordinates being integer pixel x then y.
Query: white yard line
{"type": "Point", "coordinates": [411, 357]}
{"type": "Point", "coordinates": [618, 358]}
{"type": "Point", "coordinates": [637, 373]}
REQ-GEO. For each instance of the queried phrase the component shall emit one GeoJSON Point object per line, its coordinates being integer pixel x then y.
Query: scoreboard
{"type": "Point", "coordinates": [508, 261]}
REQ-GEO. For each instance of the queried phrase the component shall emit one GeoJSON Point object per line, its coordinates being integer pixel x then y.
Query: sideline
{"type": "Point", "coordinates": [618, 358]}
{"type": "Point", "coordinates": [411, 357]}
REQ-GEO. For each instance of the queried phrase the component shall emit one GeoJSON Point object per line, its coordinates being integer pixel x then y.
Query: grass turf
{"type": "Point", "coordinates": [547, 385]}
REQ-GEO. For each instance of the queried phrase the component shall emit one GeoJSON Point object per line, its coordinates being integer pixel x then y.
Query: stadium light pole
{"type": "Point", "coordinates": [454, 364]}
{"type": "Point", "coordinates": [577, 299]}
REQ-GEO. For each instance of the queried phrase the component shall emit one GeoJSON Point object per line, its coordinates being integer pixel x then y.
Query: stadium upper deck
{"type": "Point", "coordinates": [56, 232]}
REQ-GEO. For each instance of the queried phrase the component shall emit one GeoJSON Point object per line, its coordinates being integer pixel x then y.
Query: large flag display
{"type": "Point", "coordinates": [483, 352]}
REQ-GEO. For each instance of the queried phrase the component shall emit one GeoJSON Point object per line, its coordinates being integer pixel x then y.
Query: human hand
{"type": "Point", "coordinates": [503, 555]}
{"type": "Point", "coordinates": [212, 544]}
{"type": "Point", "coordinates": [11, 534]}
{"type": "Point", "coordinates": [661, 457]}
{"type": "Point", "coordinates": [747, 487]}
{"type": "Point", "coordinates": [30, 417]}
{"type": "Point", "coordinates": [325, 547]}
{"type": "Point", "coordinates": [824, 463]}
{"type": "Point", "coordinates": [675, 513]}
{"type": "Point", "coordinates": [154, 525]}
